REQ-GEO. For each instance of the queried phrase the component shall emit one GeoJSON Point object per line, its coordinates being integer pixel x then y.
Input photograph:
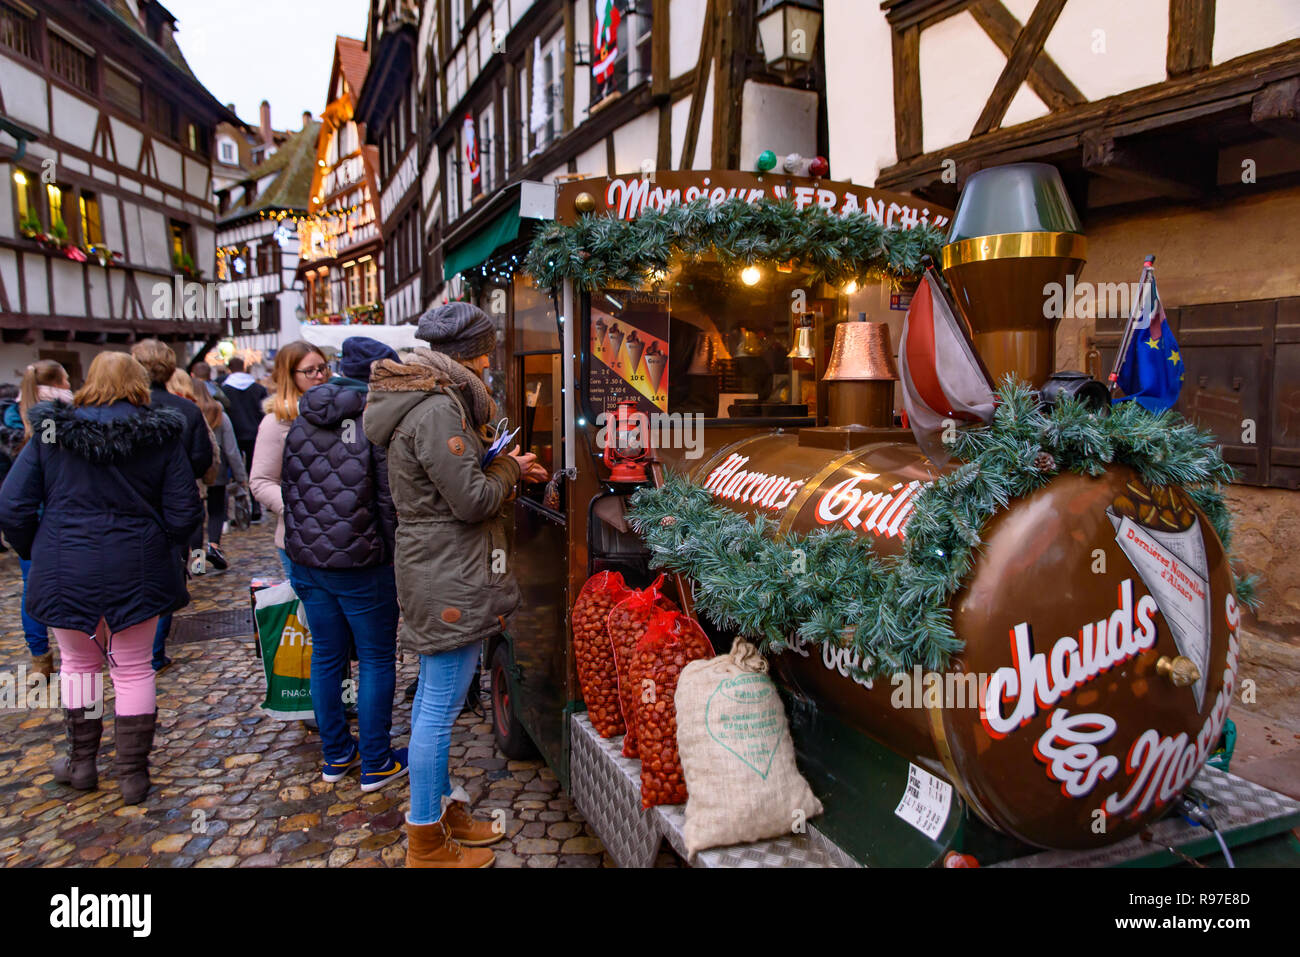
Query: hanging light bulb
{"type": "Point", "coordinates": [850, 287]}
{"type": "Point", "coordinates": [750, 275]}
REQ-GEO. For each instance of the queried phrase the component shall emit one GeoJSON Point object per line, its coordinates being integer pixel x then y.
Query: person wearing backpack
{"type": "Point", "coordinates": [339, 524]}
{"type": "Point", "coordinates": [99, 511]}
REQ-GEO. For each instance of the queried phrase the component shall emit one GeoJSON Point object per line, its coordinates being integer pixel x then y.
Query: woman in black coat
{"type": "Point", "coordinates": [98, 500]}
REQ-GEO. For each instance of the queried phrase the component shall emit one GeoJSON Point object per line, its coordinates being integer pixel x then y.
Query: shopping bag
{"type": "Point", "coordinates": [285, 643]}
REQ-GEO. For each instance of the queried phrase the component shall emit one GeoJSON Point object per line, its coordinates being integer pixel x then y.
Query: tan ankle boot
{"type": "Point", "coordinates": [43, 664]}
{"type": "Point", "coordinates": [430, 845]}
{"type": "Point", "coordinates": [466, 830]}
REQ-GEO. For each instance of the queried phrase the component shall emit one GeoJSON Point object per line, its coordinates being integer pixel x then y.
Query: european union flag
{"type": "Point", "coordinates": [1152, 373]}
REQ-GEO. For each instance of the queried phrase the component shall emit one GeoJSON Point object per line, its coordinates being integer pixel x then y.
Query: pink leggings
{"type": "Point", "coordinates": [81, 662]}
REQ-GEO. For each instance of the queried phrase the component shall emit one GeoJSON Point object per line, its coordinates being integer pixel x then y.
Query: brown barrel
{"type": "Point", "coordinates": [1071, 719]}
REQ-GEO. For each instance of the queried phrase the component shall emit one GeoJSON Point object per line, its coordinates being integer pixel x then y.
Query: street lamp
{"type": "Point", "coordinates": [788, 31]}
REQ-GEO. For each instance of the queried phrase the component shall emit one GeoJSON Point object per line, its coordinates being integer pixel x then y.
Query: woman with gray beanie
{"type": "Point", "coordinates": [430, 414]}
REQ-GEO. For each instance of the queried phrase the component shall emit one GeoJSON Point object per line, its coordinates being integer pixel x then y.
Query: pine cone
{"type": "Point", "coordinates": [1044, 462]}
{"type": "Point", "coordinates": [668, 521]}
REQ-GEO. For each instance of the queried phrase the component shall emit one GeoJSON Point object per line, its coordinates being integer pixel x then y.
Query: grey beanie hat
{"type": "Point", "coordinates": [460, 330]}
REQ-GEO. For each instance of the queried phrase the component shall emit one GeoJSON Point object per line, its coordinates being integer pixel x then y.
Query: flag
{"type": "Point", "coordinates": [1152, 372]}
{"type": "Point", "coordinates": [943, 382]}
{"type": "Point", "coordinates": [471, 148]}
{"type": "Point", "coordinates": [605, 40]}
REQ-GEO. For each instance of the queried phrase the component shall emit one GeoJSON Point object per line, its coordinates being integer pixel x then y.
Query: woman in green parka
{"type": "Point", "coordinates": [430, 413]}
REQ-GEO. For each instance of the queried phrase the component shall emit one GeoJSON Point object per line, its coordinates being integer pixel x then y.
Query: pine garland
{"type": "Point", "coordinates": [599, 251]}
{"type": "Point", "coordinates": [892, 610]}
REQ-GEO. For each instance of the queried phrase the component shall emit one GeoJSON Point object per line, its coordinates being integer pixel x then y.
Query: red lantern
{"type": "Point", "coordinates": [627, 445]}
{"type": "Point", "coordinates": [819, 167]}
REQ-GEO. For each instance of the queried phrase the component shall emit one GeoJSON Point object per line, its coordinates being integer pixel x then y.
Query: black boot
{"type": "Point", "coordinates": [134, 742]}
{"type": "Point", "coordinates": [78, 768]}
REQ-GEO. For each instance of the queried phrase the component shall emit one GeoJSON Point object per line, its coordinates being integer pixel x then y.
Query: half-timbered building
{"type": "Point", "coordinates": [257, 244]}
{"type": "Point", "coordinates": [1175, 125]}
{"type": "Point", "coordinates": [106, 208]}
{"type": "Point", "coordinates": [340, 244]}
{"type": "Point", "coordinates": [389, 108]}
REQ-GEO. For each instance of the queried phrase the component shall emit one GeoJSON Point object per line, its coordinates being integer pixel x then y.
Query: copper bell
{"type": "Point", "coordinates": [861, 352]}
{"type": "Point", "coordinates": [861, 375]}
{"type": "Point", "coordinates": [803, 344]}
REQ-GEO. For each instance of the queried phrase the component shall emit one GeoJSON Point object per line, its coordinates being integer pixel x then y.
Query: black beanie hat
{"type": "Point", "coordinates": [359, 354]}
{"type": "Point", "coordinates": [459, 330]}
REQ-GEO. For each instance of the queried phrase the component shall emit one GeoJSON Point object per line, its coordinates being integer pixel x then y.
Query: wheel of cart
{"type": "Point", "coordinates": [511, 737]}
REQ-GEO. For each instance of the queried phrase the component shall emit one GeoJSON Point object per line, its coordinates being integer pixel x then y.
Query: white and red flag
{"type": "Point", "coordinates": [605, 40]}
{"type": "Point", "coordinates": [944, 384]}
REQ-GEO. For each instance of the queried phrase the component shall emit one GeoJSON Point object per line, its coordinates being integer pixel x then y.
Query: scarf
{"type": "Point", "coordinates": [425, 371]}
{"type": "Point", "coordinates": [51, 393]}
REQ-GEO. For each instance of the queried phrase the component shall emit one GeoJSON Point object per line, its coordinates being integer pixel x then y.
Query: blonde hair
{"type": "Point", "coordinates": [284, 399]}
{"type": "Point", "coordinates": [39, 373]}
{"type": "Point", "coordinates": [157, 358]}
{"type": "Point", "coordinates": [114, 377]}
{"type": "Point", "coordinates": [182, 385]}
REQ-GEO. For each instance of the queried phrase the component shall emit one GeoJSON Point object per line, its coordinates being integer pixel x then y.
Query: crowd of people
{"type": "Point", "coordinates": [386, 518]}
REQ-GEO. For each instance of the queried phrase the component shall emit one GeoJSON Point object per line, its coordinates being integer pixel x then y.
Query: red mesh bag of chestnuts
{"type": "Point", "coordinates": [597, 676]}
{"type": "Point", "coordinates": [627, 625]}
{"type": "Point", "coordinates": [671, 641]}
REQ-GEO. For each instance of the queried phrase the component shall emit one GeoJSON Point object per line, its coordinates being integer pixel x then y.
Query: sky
{"type": "Point", "coordinates": [246, 51]}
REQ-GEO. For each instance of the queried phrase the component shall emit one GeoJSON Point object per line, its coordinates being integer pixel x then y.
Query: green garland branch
{"type": "Point", "coordinates": [599, 251]}
{"type": "Point", "coordinates": [831, 587]}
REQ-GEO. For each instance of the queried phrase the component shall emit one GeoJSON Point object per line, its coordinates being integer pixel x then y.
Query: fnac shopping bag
{"type": "Point", "coordinates": [286, 652]}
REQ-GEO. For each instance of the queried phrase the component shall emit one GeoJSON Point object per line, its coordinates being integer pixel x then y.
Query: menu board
{"type": "Point", "coordinates": [629, 349]}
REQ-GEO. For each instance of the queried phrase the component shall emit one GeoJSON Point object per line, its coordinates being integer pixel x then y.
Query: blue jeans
{"type": "Point", "coordinates": [444, 682]}
{"type": "Point", "coordinates": [285, 563]}
{"type": "Point", "coordinates": [160, 641]}
{"type": "Point", "coordinates": [38, 639]}
{"type": "Point", "coordinates": [344, 606]}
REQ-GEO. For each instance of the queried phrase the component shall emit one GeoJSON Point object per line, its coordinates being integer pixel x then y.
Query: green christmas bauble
{"type": "Point", "coordinates": [766, 161]}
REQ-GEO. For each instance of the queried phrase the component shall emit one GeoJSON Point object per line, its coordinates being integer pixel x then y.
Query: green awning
{"type": "Point", "coordinates": [488, 239]}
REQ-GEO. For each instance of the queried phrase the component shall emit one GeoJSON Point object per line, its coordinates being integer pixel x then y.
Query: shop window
{"type": "Point", "coordinates": [70, 63]}
{"type": "Point", "coordinates": [17, 30]}
{"type": "Point", "coordinates": [123, 91]}
{"type": "Point", "coordinates": [538, 404]}
{"type": "Point", "coordinates": [92, 233]}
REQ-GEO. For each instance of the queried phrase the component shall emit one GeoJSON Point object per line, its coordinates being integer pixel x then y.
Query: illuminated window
{"type": "Point", "coordinates": [91, 232]}
{"type": "Point", "coordinates": [54, 195]}
{"type": "Point", "coordinates": [25, 200]}
{"type": "Point", "coordinates": [372, 281]}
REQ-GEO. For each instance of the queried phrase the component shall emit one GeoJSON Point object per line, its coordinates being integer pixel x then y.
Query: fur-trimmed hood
{"type": "Point", "coordinates": [105, 434]}
{"type": "Point", "coordinates": [398, 387]}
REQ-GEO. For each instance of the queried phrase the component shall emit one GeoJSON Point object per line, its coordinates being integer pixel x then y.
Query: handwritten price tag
{"type": "Point", "coordinates": [926, 802]}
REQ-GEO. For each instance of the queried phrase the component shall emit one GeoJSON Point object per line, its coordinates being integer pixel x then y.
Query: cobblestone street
{"type": "Point", "coordinates": [234, 788]}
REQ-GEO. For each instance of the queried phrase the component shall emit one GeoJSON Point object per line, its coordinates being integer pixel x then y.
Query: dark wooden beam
{"type": "Point", "coordinates": [1183, 173]}
{"type": "Point", "coordinates": [703, 67]}
{"type": "Point", "coordinates": [1045, 77]}
{"type": "Point", "coordinates": [907, 92]}
{"type": "Point", "coordinates": [1023, 54]}
{"type": "Point", "coordinates": [1202, 99]}
{"type": "Point", "coordinates": [1191, 36]}
{"type": "Point", "coordinates": [661, 80]}
{"type": "Point", "coordinates": [1276, 109]}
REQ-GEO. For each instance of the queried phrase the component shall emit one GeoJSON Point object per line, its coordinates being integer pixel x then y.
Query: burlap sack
{"type": "Point", "coordinates": [742, 783]}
